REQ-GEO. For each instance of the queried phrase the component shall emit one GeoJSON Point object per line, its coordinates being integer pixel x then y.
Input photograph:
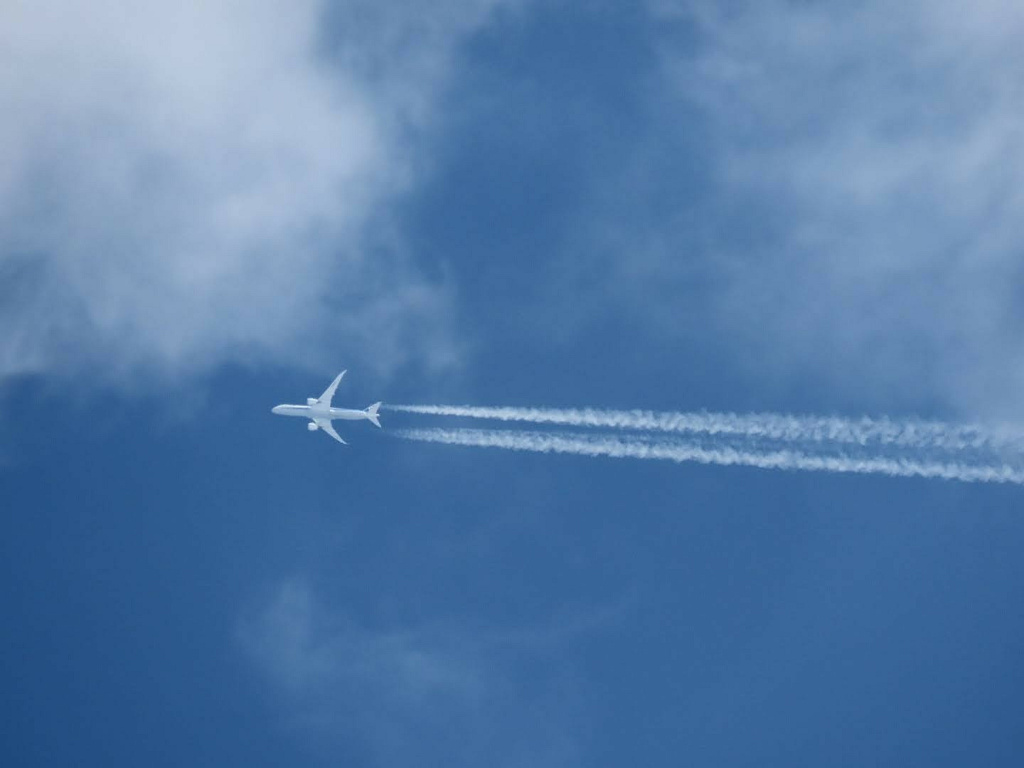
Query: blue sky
{"type": "Point", "coordinates": [774, 207]}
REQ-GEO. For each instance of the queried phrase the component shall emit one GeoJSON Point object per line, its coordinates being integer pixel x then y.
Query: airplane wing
{"type": "Point", "coordinates": [328, 394]}
{"type": "Point", "coordinates": [326, 426]}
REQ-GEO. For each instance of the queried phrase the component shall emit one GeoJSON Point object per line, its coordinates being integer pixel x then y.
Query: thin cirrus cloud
{"type": "Point", "coordinates": [860, 218]}
{"type": "Point", "coordinates": [182, 185]}
{"type": "Point", "coordinates": [405, 695]}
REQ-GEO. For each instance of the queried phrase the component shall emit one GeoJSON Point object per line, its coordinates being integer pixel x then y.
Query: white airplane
{"type": "Point", "coordinates": [319, 411]}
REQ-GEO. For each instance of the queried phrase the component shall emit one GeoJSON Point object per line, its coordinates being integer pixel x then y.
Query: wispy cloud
{"type": "Point", "coordinates": [852, 215]}
{"type": "Point", "coordinates": [890, 148]}
{"type": "Point", "coordinates": [181, 186]}
{"type": "Point", "coordinates": [405, 696]}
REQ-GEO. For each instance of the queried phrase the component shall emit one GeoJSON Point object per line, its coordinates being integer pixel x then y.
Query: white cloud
{"type": "Point", "coordinates": [182, 185]}
{"type": "Point", "coordinates": [404, 696]}
{"type": "Point", "coordinates": [863, 222]}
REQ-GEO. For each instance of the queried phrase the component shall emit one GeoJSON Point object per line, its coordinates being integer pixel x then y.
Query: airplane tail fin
{"type": "Point", "coordinates": [371, 414]}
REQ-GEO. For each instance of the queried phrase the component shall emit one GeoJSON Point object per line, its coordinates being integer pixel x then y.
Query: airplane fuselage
{"type": "Point", "coordinates": [318, 412]}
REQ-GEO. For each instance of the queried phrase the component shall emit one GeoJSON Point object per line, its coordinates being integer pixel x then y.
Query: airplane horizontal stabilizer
{"type": "Point", "coordinates": [371, 414]}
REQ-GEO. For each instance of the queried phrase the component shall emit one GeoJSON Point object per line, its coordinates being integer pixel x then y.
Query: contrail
{"type": "Point", "coordinates": [677, 450]}
{"type": "Point", "coordinates": [907, 433]}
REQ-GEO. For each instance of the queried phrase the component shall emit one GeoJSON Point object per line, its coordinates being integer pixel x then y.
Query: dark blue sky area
{"type": "Point", "coordinates": [732, 615]}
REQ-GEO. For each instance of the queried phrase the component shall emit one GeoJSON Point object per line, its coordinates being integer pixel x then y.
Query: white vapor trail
{"type": "Point", "coordinates": [674, 449]}
{"type": "Point", "coordinates": [908, 433]}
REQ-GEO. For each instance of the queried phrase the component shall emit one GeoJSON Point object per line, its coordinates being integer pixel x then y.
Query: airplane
{"type": "Point", "coordinates": [319, 411]}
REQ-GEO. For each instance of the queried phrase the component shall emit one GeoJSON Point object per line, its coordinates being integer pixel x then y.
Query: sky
{"type": "Point", "coordinates": [773, 207]}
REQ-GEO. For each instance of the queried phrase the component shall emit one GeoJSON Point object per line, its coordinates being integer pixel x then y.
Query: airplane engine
{"type": "Point", "coordinates": [311, 401]}
{"type": "Point", "coordinates": [312, 427]}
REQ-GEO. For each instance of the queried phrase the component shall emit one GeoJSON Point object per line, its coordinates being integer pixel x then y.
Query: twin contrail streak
{"type": "Point", "coordinates": [911, 434]}
{"type": "Point", "coordinates": [677, 450]}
